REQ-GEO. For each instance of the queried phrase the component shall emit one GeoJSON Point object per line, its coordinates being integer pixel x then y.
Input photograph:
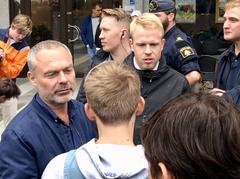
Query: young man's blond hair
{"type": "Point", "coordinates": [123, 17]}
{"type": "Point", "coordinates": [232, 3]}
{"type": "Point", "coordinates": [113, 92]}
{"type": "Point", "coordinates": [147, 21]}
{"type": "Point", "coordinates": [23, 24]}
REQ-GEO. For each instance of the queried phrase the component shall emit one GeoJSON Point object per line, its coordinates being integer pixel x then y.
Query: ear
{"type": "Point", "coordinates": [163, 44]}
{"type": "Point", "coordinates": [131, 44]}
{"type": "Point", "coordinates": [140, 107]}
{"type": "Point", "coordinates": [166, 174]}
{"type": "Point", "coordinates": [89, 112]}
{"type": "Point", "coordinates": [123, 33]}
{"type": "Point", "coordinates": [31, 78]}
{"type": "Point", "coordinates": [171, 17]}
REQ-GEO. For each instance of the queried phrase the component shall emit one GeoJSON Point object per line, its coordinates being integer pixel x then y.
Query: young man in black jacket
{"type": "Point", "coordinates": [159, 82]}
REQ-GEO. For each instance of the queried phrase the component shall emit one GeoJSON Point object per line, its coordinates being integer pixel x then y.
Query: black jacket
{"type": "Point", "coordinates": [228, 74]}
{"type": "Point", "coordinates": [98, 58]}
{"type": "Point", "coordinates": [157, 88]}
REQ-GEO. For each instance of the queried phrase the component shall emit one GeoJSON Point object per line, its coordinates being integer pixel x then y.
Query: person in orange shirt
{"type": "Point", "coordinates": [13, 57]}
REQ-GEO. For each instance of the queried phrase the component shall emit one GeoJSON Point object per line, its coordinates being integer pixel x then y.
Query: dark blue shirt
{"type": "Point", "coordinates": [179, 51]}
{"type": "Point", "coordinates": [36, 135]}
{"type": "Point", "coordinates": [228, 74]}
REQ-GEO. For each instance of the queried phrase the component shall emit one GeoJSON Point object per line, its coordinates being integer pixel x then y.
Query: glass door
{"type": "Point", "coordinates": [52, 19]}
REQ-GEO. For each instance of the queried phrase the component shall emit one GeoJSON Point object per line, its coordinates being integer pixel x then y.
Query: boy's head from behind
{"type": "Point", "coordinates": [113, 92]}
{"type": "Point", "coordinates": [194, 136]}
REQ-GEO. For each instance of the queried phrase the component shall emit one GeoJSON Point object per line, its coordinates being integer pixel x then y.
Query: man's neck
{"type": "Point", "coordinates": [170, 26]}
{"type": "Point", "coordinates": [61, 110]}
{"type": "Point", "coordinates": [121, 53]}
{"type": "Point", "coordinates": [237, 47]}
{"type": "Point", "coordinates": [115, 134]}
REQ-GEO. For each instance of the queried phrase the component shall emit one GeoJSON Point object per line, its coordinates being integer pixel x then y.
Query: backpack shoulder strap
{"type": "Point", "coordinates": [71, 169]}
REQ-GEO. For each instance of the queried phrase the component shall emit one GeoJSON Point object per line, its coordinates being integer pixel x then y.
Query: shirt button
{"type": "Point", "coordinates": [56, 120]}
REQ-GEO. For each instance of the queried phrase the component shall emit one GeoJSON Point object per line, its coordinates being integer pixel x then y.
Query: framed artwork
{"type": "Point", "coordinates": [186, 11]}
{"type": "Point", "coordinates": [220, 11]}
{"type": "Point", "coordinates": [132, 1]}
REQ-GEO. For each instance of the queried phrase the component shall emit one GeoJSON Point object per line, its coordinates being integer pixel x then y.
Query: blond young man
{"type": "Point", "coordinates": [228, 77]}
{"type": "Point", "coordinates": [113, 101]}
{"type": "Point", "coordinates": [13, 57]}
{"type": "Point", "coordinates": [159, 82]}
{"type": "Point", "coordinates": [114, 38]}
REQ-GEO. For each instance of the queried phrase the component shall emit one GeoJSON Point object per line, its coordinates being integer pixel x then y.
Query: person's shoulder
{"type": "Point", "coordinates": [87, 18]}
{"type": "Point", "coordinates": [3, 34]}
{"type": "Point", "coordinates": [99, 57]}
{"type": "Point", "coordinates": [179, 33]}
{"type": "Point", "coordinates": [22, 116]}
{"type": "Point", "coordinates": [23, 125]}
{"type": "Point", "coordinates": [102, 54]}
{"type": "Point", "coordinates": [184, 47]}
{"type": "Point", "coordinates": [55, 168]}
{"type": "Point", "coordinates": [227, 52]}
{"type": "Point", "coordinates": [22, 45]}
{"type": "Point", "coordinates": [76, 105]}
{"type": "Point", "coordinates": [3, 31]}
{"type": "Point", "coordinates": [177, 75]}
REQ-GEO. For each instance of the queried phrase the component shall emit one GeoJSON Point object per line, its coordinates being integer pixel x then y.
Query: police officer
{"type": "Point", "coordinates": [178, 49]}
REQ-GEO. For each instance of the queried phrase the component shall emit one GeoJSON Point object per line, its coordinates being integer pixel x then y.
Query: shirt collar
{"type": "Point", "coordinates": [71, 108]}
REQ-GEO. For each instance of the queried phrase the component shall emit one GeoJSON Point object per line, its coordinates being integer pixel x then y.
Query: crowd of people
{"type": "Point", "coordinates": [136, 115]}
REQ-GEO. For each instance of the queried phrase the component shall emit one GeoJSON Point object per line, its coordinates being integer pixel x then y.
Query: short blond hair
{"type": "Point", "coordinates": [122, 16]}
{"type": "Point", "coordinates": [23, 24]}
{"type": "Point", "coordinates": [232, 3]}
{"type": "Point", "coordinates": [113, 92]}
{"type": "Point", "coordinates": [147, 21]}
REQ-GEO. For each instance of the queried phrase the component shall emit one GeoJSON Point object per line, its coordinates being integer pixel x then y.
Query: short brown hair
{"type": "Point", "coordinates": [8, 88]}
{"type": "Point", "coordinates": [123, 17]}
{"type": "Point", "coordinates": [113, 92]}
{"type": "Point", "coordinates": [195, 136]}
{"type": "Point", "coordinates": [23, 24]}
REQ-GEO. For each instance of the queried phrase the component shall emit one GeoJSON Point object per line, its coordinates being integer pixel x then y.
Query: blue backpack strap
{"type": "Point", "coordinates": [71, 169]}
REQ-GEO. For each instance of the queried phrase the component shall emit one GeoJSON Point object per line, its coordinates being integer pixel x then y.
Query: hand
{"type": "Point", "coordinates": [1, 54]}
{"type": "Point", "coordinates": [217, 91]}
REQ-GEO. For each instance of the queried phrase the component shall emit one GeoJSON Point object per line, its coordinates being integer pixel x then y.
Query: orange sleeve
{"type": "Point", "coordinates": [11, 68]}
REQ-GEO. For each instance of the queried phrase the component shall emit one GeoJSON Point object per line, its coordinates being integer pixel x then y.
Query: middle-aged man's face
{"type": "Point", "coordinates": [147, 45]}
{"type": "Point", "coordinates": [54, 76]}
{"type": "Point", "coordinates": [110, 34]}
{"type": "Point", "coordinates": [231, 26]}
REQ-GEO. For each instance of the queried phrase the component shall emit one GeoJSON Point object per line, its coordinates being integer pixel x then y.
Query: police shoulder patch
{"type": "Point", "coordinates": [186, 51]}
{"type": "Point", "coordinates": [184, 48]}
